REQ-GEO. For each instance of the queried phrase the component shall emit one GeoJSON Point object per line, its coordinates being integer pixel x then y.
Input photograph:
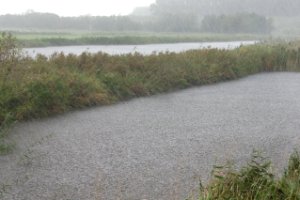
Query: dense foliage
{"type": "Point", "coordinates": [254, 181]}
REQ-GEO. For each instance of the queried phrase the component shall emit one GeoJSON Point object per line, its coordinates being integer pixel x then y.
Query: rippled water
{"type": "Point", "coordinates": [143, 49]}
{"type": "Point", "coordinates": [156, 147]}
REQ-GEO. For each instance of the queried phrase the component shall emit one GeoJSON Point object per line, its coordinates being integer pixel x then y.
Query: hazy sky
{"type": "Point", "coordinates": [73, 8]}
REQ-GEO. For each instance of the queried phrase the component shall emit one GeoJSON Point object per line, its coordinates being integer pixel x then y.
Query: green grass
{"type": "Point", "coordinates": [38, 39]}
{"type": "Point", "coordinates": [255, 181]}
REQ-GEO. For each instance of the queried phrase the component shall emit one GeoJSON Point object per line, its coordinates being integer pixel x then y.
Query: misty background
{"type": "Point", "coordinates": [278, 17]}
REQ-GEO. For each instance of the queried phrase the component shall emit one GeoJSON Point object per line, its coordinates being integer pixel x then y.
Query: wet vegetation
{"type": "Point", "coordinates": [254, 181]}
{"type": "Point", "coordinates": [41, 86]}
{"type": "Point", "coordinates": [38, 87]}
{"type": "Point", "coordinates": [81, 38]}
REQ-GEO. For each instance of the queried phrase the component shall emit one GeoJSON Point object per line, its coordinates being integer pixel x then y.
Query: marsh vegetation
{"type": "Point", "coordinates": [254, 181]}
{"type": "Point", "coordinates": [43, 86]}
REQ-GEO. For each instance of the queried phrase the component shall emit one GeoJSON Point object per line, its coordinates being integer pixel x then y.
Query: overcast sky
{"type": "Point", "coordinates": [73, 8]}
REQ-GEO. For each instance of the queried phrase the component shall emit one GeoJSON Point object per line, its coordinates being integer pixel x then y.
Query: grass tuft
{"type": "Point", "coordinates": [254, 181]}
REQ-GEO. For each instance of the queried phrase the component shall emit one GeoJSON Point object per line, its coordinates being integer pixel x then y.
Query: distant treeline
{"type": "Point", "coordinates": [187, 15]}
{"type": "Point", "coordinates": [169, 15]}
{"type": "Point", "coordinates": [239, 23]}
{"type": "Point", "coordinates": [219, 7]}
{"type": "Point", "coordinates": [49, 21]}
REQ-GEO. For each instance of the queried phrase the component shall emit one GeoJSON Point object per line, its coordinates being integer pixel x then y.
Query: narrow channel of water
{"type": "Point", "coordinates": [143, 49]}
{"type": "Point", "coordinates": [156, 147]}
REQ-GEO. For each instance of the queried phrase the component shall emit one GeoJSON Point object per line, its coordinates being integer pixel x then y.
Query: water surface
{"type": "Point", "coordinates": [156, 147]}
{"type": "Point", "coordinates": [143, 49]}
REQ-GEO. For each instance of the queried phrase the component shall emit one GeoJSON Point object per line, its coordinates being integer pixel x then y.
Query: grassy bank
{"type": "Point", "coordinates": [39, 87]}
{"type": "Point", "coordinates": [254, 181]}
{"type": "Point", "coordinates": [121, 40]}
{"type": "Point", "coordinates": [42, 39]}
